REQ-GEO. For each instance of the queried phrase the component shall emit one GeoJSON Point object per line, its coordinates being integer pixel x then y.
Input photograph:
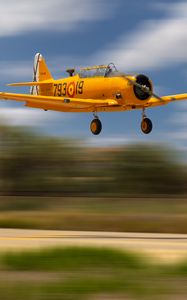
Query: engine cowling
{"type": "Point", "coordinates": [145, 82]}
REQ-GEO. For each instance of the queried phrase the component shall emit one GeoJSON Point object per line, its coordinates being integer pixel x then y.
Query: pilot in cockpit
{"type": "Point", "coordinates": [108, 71]}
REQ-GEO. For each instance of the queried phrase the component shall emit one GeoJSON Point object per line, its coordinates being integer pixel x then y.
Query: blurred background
{"type": "Point", "coordinates": [68, 184]}
{"type": "Point", "coordinates": [52, 154]}
{"type": "Point", "coordinates": [55, 175]}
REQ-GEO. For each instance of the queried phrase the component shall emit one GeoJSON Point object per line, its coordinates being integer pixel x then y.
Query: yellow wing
{"type": "Point", "coordinates": [57, 103]}
{"type": "Point", "coordinates": [166, 99]}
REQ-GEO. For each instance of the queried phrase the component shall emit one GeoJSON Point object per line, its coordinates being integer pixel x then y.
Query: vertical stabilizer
{"type": "Point", "coordinates": [40, 73]}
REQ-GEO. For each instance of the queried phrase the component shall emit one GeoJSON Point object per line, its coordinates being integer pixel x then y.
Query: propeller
{"type": "Point", "coordinates": [143, 88]}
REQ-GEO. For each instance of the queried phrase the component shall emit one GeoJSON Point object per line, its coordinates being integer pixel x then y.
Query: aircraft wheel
{"type": "Point", "coordinates": [146, 126]}
{"type": "Point", "coordinates": [96, 126]}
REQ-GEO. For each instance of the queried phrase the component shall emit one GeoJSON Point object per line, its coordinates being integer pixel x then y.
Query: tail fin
{"type": "Point", "coordinates": [40, 73]}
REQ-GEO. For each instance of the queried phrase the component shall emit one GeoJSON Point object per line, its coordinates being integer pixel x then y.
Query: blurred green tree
{"type": "Point", "coordinates": [145, 169]}
{"type": "Point", "coordinates": [32, 163]}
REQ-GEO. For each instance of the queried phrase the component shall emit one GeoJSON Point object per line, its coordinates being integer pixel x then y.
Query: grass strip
{"type": "Point", "coordinates": [59, 259]}
{"type": "Point", "coordinates": [90, 271]}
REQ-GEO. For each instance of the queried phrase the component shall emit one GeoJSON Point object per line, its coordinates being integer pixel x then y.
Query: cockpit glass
{"type": "Point", "coordinates": [99, 71]}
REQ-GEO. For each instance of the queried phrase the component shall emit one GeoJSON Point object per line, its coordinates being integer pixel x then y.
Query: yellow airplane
{"type": "Point", "coordinates": [92, 89]}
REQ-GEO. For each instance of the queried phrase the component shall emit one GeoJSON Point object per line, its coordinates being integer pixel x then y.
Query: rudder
{"type": "Point", "coordinates": [40, 72]}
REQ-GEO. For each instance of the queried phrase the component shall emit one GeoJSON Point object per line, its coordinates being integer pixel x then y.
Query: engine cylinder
{"type": "Point", "coordinates": [145, 82]}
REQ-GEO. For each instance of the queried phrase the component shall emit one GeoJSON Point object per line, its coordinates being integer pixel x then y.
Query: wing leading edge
{"type": "Point", "coordinates": [56, 103]}
{"type": "Point", "coordinates": [166, 99]}
{"type": "Point", "coordinates": [67, 104]}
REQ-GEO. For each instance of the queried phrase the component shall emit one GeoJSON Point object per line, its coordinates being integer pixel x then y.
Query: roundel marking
{"type": "Point", "coordinates": [71, 89]}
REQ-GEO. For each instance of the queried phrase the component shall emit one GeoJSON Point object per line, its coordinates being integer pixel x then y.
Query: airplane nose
{"type": "Point", "coordinates": [142, 92]}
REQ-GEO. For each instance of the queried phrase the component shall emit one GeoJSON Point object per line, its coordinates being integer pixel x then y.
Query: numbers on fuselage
{"type": "Point", "coordinates": [68, 89]}
{"type": "Point", "coordinates": [79, 87]}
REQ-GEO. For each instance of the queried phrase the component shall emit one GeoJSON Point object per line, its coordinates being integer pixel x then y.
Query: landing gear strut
{"type": "Point", "coordinates": [146, 124]}
{"type": "Point", "coordinates": [96, 125]}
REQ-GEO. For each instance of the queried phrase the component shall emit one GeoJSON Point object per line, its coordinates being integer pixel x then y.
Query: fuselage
{"type": "Point", "coordinates": [98, 88]}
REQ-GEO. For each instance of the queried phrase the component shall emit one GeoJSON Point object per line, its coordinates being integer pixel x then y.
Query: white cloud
{"type": "Point", "coordinates": [180, 135]}
{"type": "Point", "coordinates": [179, 121]}
{"type": "Point", "coordinates": [31, 117]}
{"type": "Point", "coordinates": [182, 105]}
{"type": "Point", "coordinates": [23, 70]}
{"type": "Point", "coordinates": [155, 44]}
{"type": "Point", "coordinates": [179, 117]}
{"type": "Point", "coordinates": [20, 70]}
{"type": "Point", "coordinates": [22, 116]}
{"type": "Point", "coordinates": [18, 16]}
{"type": "Point", "coordinates": [109, 141]}
{"type": "Point", "coordinates": [16, 70]}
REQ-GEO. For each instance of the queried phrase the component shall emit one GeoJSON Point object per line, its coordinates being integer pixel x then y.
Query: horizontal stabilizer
{"type": "Point", "coordinates": [40, 83]}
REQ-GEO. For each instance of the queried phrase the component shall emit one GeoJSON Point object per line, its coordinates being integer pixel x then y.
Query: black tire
{"type": "Point", "coordinates": [146, 126]}
{"type": "Point", "coordinates": [96, 126]}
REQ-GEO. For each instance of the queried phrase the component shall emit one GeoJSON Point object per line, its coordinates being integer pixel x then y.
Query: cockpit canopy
{"type": "Point", "coordinates": [99, 71]}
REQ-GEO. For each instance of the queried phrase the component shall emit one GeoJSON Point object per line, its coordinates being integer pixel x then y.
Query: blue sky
{"type": "Point", "coordinates": [142, 36]}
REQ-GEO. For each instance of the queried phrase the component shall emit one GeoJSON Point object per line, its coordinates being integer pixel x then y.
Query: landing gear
{"type": "Point", "coordinates": [96, 125]}
{"type": "Point", "coordinates": [146, 124]}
